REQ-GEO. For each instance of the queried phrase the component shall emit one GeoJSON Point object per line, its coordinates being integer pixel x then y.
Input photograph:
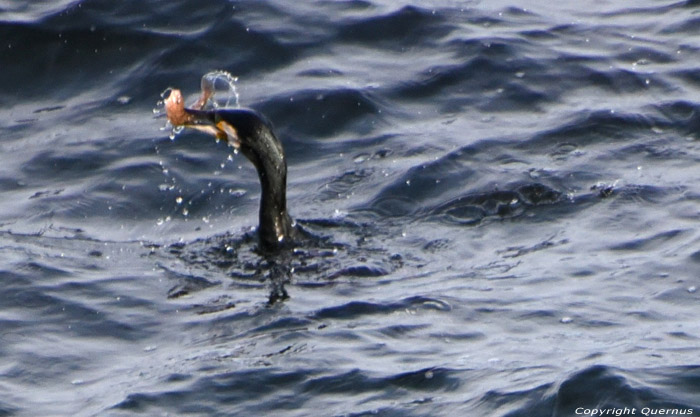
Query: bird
{"type": "Point", "coordinates": [253, 135]}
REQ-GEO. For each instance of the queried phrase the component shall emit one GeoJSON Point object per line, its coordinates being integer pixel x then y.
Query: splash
{"type": "Point", "coordinates": [220, 89]}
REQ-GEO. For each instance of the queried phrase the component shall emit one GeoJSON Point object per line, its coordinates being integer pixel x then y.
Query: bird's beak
{"type": "Point", "coordinates": [220, 131]}
{"type": "Point", "coordinates": [209, 129]}
{"type": "Point", "coordinates": [230, 132]}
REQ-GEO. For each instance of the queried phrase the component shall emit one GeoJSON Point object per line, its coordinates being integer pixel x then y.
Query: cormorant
{"type": "Point", "coordinates": [250, 133]}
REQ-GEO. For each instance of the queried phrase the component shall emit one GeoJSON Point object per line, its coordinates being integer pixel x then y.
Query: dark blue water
{"type": "Point", "coordinates": [504, 200]}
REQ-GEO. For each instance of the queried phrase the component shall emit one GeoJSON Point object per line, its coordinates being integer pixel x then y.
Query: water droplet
{"type": "Point", "coordinates": [176, 130]}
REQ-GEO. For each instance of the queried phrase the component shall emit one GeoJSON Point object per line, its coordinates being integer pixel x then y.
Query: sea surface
{"type": "Point", "coordinates": [503, 199]}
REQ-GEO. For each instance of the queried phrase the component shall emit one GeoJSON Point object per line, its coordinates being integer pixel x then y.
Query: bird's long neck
{"type": "Point", "coordinates": [268, 157]}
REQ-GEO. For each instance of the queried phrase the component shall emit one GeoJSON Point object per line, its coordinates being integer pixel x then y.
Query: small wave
{"type": "Point", "coordinates": [408, 25]}
{"type": "Point", "coordinates": [34, 11]}
{"type": "Point", "coordinates": [356, 382]}
{"type": "Point", "coordinates": [474, 208]}
{"type": "Point", "coordinates": [356, 309]}
{"type": "Point", "coordinates": [324, 113]}
{"type": "Point", "coordinates": [591, 127]}
{"type": "Point", "coordinates": [652, 242]}
{"type": "Point", "coordinates": [606, 388]}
